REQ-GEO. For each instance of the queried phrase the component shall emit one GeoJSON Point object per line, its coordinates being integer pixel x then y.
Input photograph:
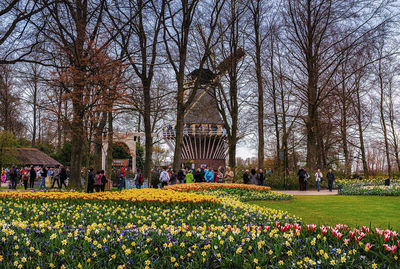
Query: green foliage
{"type": "Point", "coordinates": [45, 147]}
{"type": "Point", "coordinates": [64, 156]}
{"type": "Point", "coordinates": [120, 151]}
{"type": "Point", "coordinates": [23, 142]}
{"type": "Point", "coordinates": [8, 143]}
{"type": "Point", "coordinates": [139, 156]}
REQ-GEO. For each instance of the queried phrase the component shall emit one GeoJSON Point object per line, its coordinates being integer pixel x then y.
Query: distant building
{"type": "Point", "coordinates": [35, 157]}
{"type": "Point", "coordinates": [204, 138]}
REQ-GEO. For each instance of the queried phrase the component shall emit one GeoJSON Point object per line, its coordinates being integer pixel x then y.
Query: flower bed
{"type": "Point", "coordinates": [368, 187]}
{"type": "Point", "coordinates": [241, 192]}
{"type": "Point", "coordinates": [94, 233]}
{"type": "Point", "coordinates": [215, 186]}
{"type": "Point", "coordinates": [133, 195]}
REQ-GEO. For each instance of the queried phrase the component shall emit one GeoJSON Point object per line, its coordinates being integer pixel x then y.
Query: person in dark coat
{"type": "Point", "coordinates": [246, 176]}
{"type": "Point", "coordinates": [90, 185]}
{"type": "Point", "coordinates": [181, 176]}
{"type": "Point", "coordinates": [331, 177]}
{"type": "Point", "coordinates": [203, 173]}
{"type": "Point", "coordinates": [43, 175]}
{"type": "Point", "coordinates": [13, 178]}
{"type": "Point", "coordinates": [261, 177]}
{"type": "Point", "coordinates": [103, 181]}
{"type": "Point", "coordinates": [172, 178]}
{"type": "Point", "coordinates": [32, 177]}
{"type": "Point", "coordinates": [302, 174]}
{"type": "Point", "coordinates": [63, 177]}
{"type": "Point", "coordinates": [197, 176]}
{"type": "Point", "coordinates": [155, 178]}
{"type": "Point", "coordinates": [253, 177]}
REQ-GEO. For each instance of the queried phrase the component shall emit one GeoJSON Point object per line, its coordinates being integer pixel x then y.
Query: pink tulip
{"type": "Point", "coordinates": [339, 236]}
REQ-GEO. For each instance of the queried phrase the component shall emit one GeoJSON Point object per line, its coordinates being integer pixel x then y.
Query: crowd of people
{"type": "Point", "coordinates": [319, 177]}
{"type": "Point", "coordinates": [27, 176]}
{"type": "Point", "coordinates": [167, 176]}
{"type": "Point", "coordinates": [160, 177]}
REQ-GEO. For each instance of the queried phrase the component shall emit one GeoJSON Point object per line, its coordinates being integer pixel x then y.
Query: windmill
{"type": "Point", "coordinates": [204, 139]}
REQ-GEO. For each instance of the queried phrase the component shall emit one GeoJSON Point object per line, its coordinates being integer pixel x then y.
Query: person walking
{"type": "Point", "coordinates": [104, 181]}
{"type": "Point", "coordinates": [32, 177]}
{"type": "Point", "coordinates": [122, 178]}
{"type": "Point", "coordinates": [25, 177]}
{"type": "Point", "coordinates": [246, 176]}
{"type": "Point", "coordinates": [229, 175]}
{"type": "Point", "coordinates": [13, 178]}
{"type": "Point", "coordinates": [155, 178]}
{"type": "Point", "coordinates": [181, 176]}
{"type": "Point", "coordinates": [269, 172]}
{"type": "Point", "coordinates": [209, 175]}
{"type": "Point", "coordinates": [43, 175]}
{"type": "Point", "coordinates": [91, 181]}
{"type": "Point", "coordinates": [189, 177]}
{"type": "Point", "coordinates": [331, 177]}
{"type": "Point", "coordinates": [253, 177]}
{"type": "Point", "coordinates": [13, 175]}
{"type": "Point", "coordinates": [56, 178]}
{"type": "Point", "coordinates": [220, 176]}
{"type": "Point", "coordinates": [302, 174]}
{"type": "Point", "coordinates": [63, 177]}
{"type": "Point", "coordinates": [261, 177]}
{"type": "Point", "coordinates": [97, 181]}
{"type": "Point", "coordinates": [172, 178]}
{"type": "Point", "coordinates": [139, 179]}
{"type": "Point", "coordinates": [197, 176]}
{"type": "Point", "coordinates": [164, 178]}
{"type": "Point", "coordinates": [203, 173]}
{"type": "Point", "coordinates": [318, 178]}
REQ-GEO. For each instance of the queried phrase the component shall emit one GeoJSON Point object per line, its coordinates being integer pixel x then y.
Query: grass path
{"type": "Point", "coordinates": [379, 211]}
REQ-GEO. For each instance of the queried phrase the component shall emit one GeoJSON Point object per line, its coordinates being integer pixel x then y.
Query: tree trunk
{"type": "Point", "coordinates": [260, 88]}
{"type": "Point", "coordinates": [98, 142]}
{"type": "Point", "coordinates": [76, 149]}
{"type": "Point", "coordinates": [395, 144]}
{"type": "Point", "coordinates": [284, 133]}
{"type": "Point", "coordinates": [393, 129]}
{"type": "Point", "coordinates": [274, 103]}
{"type": "Point", "coordinates": [147, 129]}
{"type": "Point", "coordinates": [361, 132]}
{"type": "Point", "coordinates": [35, 91]}
{"type": "Point", "coordinates": [110, 135]}
{"type": "Point", "coordinates": [383, 122]}
{"type": "Point", "coordinates": [233, 138]}
{"type": "Point", "coordinates": [260, 109]}
{"type": "Point", "coordinates": [65, 123]}
{"type": "Point", "coordinates": [59, 121]}
{"type": "Point", "coordinates": [180, 115]}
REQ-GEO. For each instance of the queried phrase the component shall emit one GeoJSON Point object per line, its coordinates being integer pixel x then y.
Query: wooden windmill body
{"type": "Point", "coordinates": [204, 139]}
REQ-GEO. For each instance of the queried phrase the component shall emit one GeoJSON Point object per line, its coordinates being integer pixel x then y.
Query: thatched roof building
{"type": "Point", "coordinates": [33, 156]}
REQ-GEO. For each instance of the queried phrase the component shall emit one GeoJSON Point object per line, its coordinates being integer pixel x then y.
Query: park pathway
{"type": "Point", "coordinates": [311, 192]}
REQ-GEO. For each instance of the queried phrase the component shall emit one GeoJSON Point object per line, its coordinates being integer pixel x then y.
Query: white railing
{"type": "Point", "coordinates": [190, 131]}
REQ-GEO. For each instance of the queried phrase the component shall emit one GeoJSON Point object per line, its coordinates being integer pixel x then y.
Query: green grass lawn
{"type": "Point", "coordinates": [355, 211]}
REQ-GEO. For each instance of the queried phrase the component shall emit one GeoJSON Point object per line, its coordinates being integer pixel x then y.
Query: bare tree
{"type": "Point", "coordinates": [74, 29]}
{"type": "Point", "coordinates": [257, 9]}
{"type": "Point", "coordinates": [18, 38]}
{"type": "Point", "coordinates": [383, 84]}
{"type": "Point", "coordinates": [10, 105]}
{"type": "Point", "coordinates": [320, 33]}
{"type": "Point", "coordinates": [178, 32]}
{"type": "Point", "coordinates": [138, 24]}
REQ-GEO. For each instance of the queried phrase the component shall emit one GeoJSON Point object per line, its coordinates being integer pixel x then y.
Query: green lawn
{"type": "Point", "coordinates": [379, 211]}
